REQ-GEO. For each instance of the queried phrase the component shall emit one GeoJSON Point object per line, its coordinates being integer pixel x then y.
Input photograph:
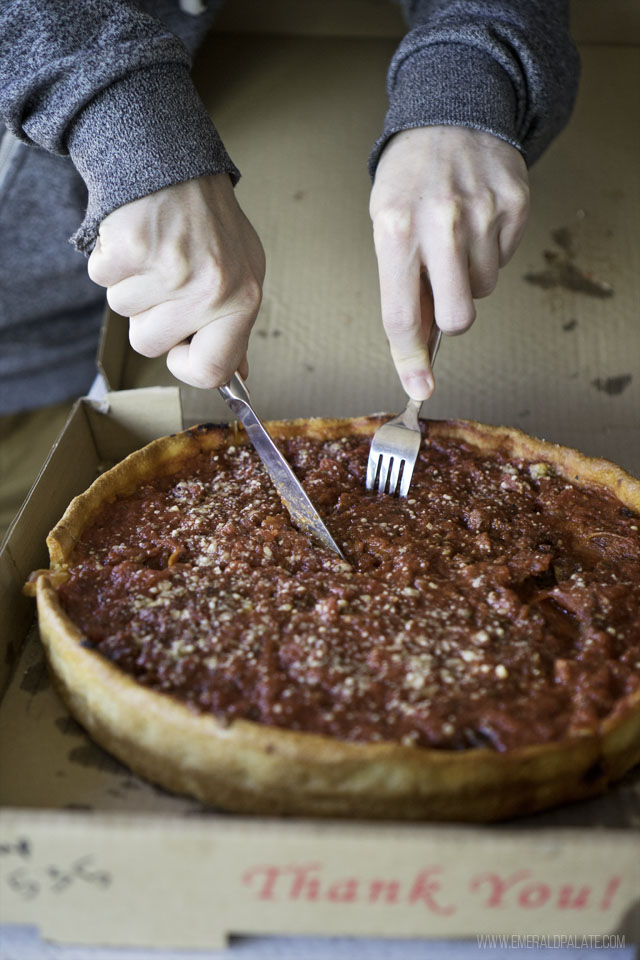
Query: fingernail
{"type": "Point", "coordinates": [419, 385]}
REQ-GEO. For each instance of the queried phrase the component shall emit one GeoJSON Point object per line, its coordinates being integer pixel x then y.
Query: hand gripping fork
{"type": "Point", "coordinates": [395, 445]}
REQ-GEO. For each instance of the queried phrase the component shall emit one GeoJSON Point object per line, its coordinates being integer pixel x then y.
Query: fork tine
{"type": "Point", "coordinates": [395, 467]}
{"type": "Point", "coordinates": [373, 468]}
{"type": "Point", "coordinates": [395, 445]}
{"type": "Point", "coordinates": [405, 479]}
{"type": "Point", "coordinates": [386, 463]}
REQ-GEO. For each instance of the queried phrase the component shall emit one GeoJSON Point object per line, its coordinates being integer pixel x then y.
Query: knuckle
{"type": "Point", "coordinates": [117, 302]}
{"type": "Point", "coordinates": [483, 276]}
{"type": "Point", "coordinates": [398, 323]}
{"type": "Point", "coordinates": [393, 224]}
{"type": "Point", "coordinates": [247, 300]}
{"type": "Point", "coordinates": [486, 208]}
{"type": "Point", "coordinates": [484, 290]}
{"type": "Point", "coordinates": [516, 198]}
{"type": "Point", "coordinates": [506, 249]}
{"type": "Point", "coordinates": [142, 342]}
{"type": "Point", "coordinates": [133, 249]}
{"type": "Point", "coordinates": [123, 245]}
{"type": "Point", "coordinates": [98, 269]}
{"type": "Point", "coordinates": [457, 322]}
{"type": "Point", "coordinates": [483, 287]}
{"type": "Point", "coordinates": [206, 372]}
{"type": "Point", "coordinates": [177, 273]}
{"type": "Point", "coordinates": [449, 224]}
{"type": "Point", "coordinates": [214, 282]}
{"type": "Point", "coordinates": [448, 210]}
{"type": "Point", "coordinates": [223, 292]}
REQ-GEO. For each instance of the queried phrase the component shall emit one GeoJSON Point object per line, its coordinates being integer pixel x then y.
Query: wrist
{"type": "Point", "coordinates": [143, 133]}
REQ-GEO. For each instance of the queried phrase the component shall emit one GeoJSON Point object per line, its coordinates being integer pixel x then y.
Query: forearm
{"type": "Point", "coordinates": [504, 67]}
{"type": "Point", "coordinates": [58, 57]}
{"type": "Point", "coordinates": [145, 132]}
{"type": "Point", "coordinates": [109, 85]}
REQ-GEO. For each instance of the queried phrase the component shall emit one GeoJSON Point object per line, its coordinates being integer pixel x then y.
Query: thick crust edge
{"type": "Point", "coordinates": [251, 768]}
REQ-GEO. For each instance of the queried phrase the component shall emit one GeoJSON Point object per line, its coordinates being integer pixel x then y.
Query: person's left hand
{"type": "Point", "coordinates": [449, 206]}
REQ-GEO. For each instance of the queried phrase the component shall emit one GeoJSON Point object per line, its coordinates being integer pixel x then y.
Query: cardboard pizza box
{"type": "Point", "coordinates": [90, 853]}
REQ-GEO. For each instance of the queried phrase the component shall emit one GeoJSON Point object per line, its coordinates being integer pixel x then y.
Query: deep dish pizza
{"type": "Point", "coordinates": [475, 656]}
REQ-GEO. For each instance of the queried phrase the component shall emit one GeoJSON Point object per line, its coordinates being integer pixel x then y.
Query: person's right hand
{"type": "Point", "coordinates": [187, 267]}
{"type": "Point", "coordinates": [449, 206]}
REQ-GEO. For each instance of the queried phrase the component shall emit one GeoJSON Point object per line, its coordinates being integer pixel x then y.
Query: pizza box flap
{"type": "Point", "coordinates": [95, 435]}
{"type": "Point", "coordinates": [190, 883]}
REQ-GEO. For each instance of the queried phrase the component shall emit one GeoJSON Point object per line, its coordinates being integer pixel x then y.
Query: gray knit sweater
{"type": "Point", "coordinates": [107, 84]}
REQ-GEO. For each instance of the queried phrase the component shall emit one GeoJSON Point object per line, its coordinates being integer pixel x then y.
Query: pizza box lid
{"type": "Point", "coordinates": [92, 854]}
{"type": "Point", "coordinates": [591, 22]}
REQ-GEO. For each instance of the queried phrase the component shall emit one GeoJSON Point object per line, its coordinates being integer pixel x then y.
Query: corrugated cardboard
{"type": "Point", "coordinates": [91, 854]}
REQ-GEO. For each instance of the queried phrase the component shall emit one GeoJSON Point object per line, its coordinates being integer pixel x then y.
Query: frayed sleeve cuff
{"type": "Point", "coordinates": [439, 84]}
{"type": "Point", "coordinates": [143, 133]}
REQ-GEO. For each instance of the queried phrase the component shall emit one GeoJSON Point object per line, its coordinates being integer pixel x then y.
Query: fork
{"type": "Point", "coordinates": [395, 445]}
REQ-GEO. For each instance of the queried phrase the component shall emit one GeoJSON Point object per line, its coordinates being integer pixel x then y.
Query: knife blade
{"type": "Point", "coordinates": [303, 513]}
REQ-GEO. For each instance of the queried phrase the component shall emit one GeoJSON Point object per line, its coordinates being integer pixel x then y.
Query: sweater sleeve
{"type": "Point", "coordinates": [507, 67]}
{"type": "Point", "coordinates": [108, 85]}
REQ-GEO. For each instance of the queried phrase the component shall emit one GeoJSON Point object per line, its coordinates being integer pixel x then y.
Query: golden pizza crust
{"type": "Point", "coordinates": [252, 768]}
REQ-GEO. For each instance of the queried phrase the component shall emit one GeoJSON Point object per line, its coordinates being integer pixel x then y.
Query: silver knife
{"type": "Point", "coordinates": [302, 511]}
